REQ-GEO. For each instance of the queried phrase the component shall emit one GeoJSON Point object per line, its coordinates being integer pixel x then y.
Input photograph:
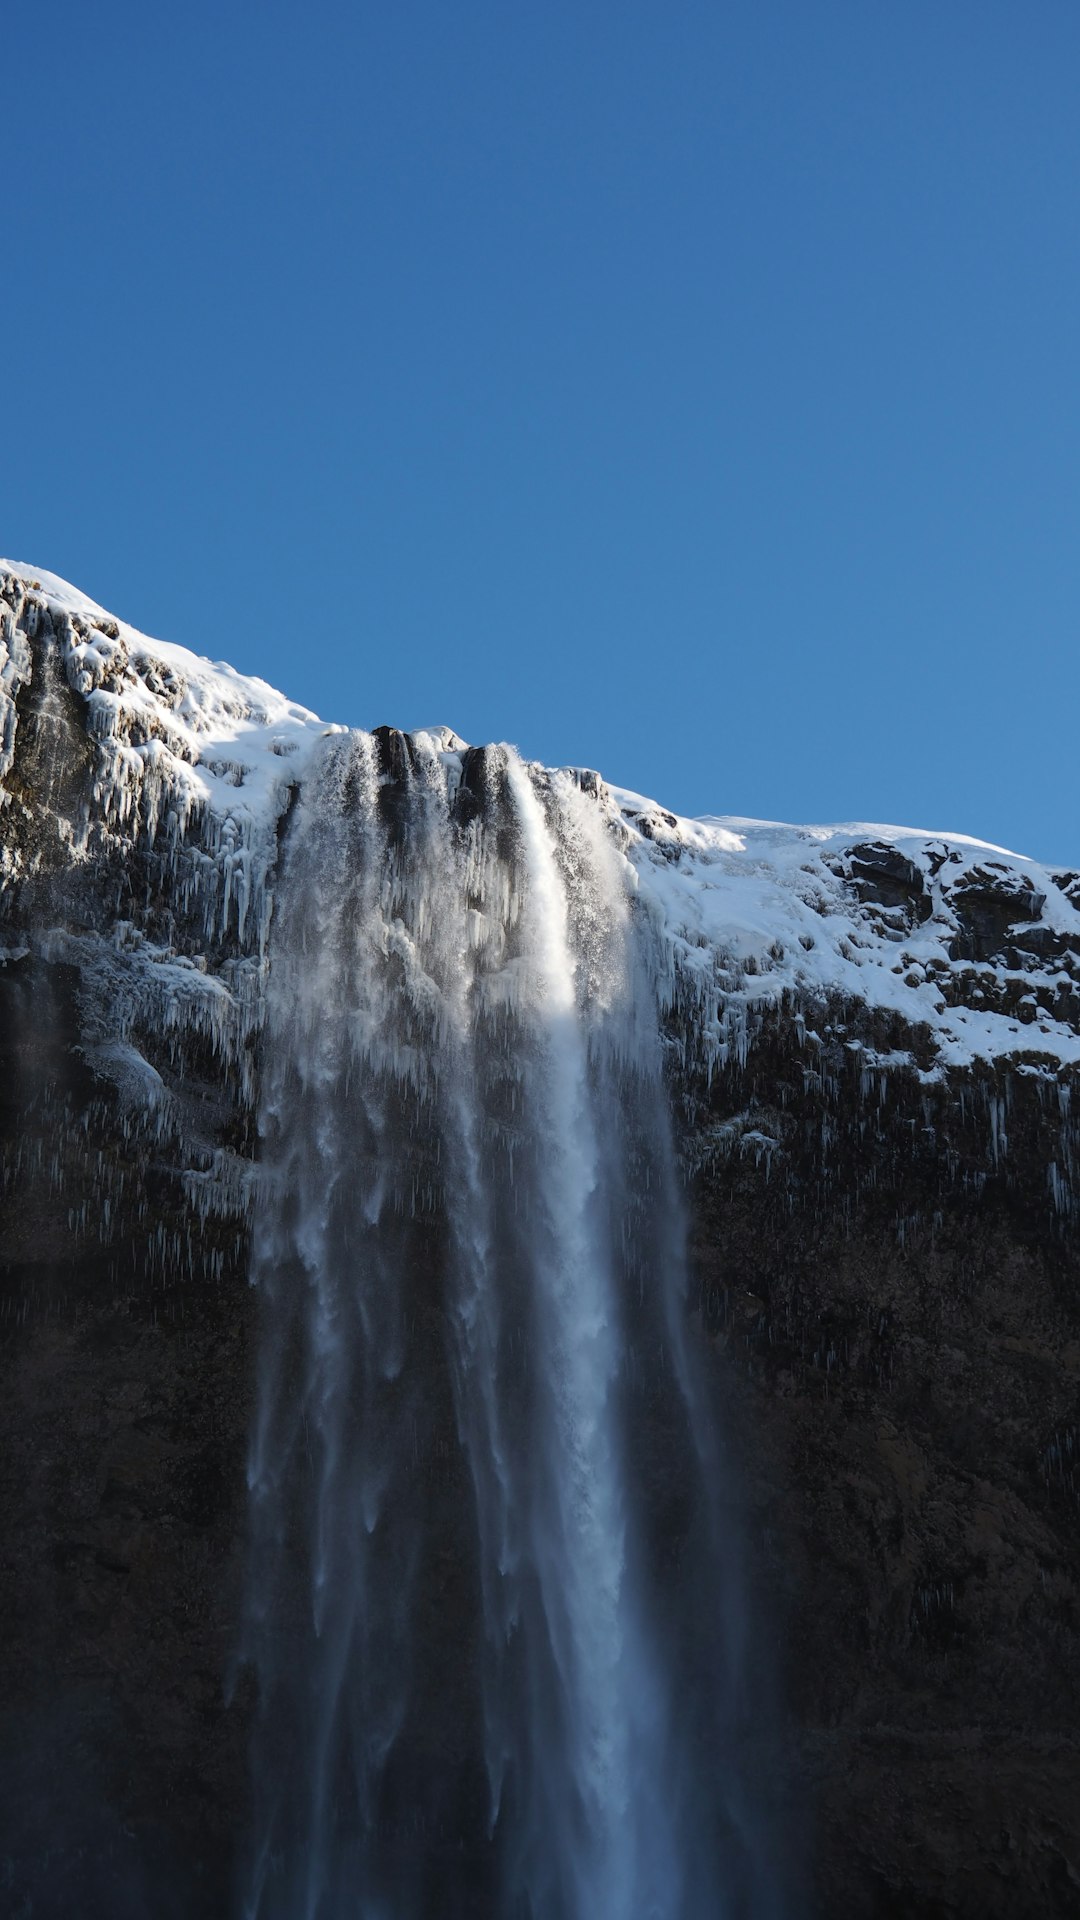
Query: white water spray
{"type": "Point", "coordinates": [478, 1694]}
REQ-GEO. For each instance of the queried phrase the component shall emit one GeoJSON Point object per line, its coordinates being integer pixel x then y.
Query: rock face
{"type": "Point", "coordinates": [902, 1310]}
{"type": "Point", "coordinates": [874, 1042]}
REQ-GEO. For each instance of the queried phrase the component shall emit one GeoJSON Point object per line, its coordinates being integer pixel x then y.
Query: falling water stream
{"type": "Point", "coordinates": [495, 1605]}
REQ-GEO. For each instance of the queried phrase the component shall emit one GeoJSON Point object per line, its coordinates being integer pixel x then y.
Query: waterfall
{"type": "Point", "coordinates": [498, 1638]}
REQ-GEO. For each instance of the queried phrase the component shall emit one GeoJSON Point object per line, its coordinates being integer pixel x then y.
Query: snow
{"type": "Point", "coordinates": [767, 896]}
{"type": "Point", "coordinates": [743, 911]}
{"type": "Point", "coordinates": [189, 752]}
{"type": "Point", "coordinates": [228, 740]}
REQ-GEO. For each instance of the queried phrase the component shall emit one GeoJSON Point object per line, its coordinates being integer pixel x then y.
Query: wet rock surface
{"type": "Point", "coordinates": [885, 1280]}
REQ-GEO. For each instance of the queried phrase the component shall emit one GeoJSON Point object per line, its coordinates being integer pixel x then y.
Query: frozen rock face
{"type": "Point", "coordinates": [872, 1046]}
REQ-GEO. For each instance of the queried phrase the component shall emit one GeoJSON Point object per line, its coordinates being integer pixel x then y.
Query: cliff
{"type": "Point", "coordinates": [873, 1037]}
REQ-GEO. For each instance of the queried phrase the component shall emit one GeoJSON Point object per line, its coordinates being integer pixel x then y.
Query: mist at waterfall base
{"type": "Point", "coordinates": [500, 1645]}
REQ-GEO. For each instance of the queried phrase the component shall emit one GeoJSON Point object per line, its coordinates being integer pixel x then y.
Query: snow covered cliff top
{"type": "Point", "coordinates": [975, 947]}
{"type": "Point", "coordinates": [226, 732]}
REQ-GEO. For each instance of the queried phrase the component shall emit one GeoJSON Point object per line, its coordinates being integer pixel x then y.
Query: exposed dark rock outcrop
{"type": "Point", "coordinates": [886, 1278]}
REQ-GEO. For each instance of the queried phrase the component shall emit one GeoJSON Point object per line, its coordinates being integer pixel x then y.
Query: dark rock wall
{"type": "Point", "coordinates": [125, 1323]}
{"type": "Point", "coordinates": [900, 1320]}
{"type": "Point", "coordinates": [886, 1279]}
{"type": "Point", "coordinates": [123, 1406]}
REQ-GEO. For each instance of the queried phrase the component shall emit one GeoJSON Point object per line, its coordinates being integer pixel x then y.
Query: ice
{"type": "Point", "coordinates": [199, 762]}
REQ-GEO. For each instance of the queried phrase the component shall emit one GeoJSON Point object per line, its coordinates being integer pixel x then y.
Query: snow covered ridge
{"type": "Point", "coordinates": [976, 950]}
{"type": "Point", "coordinates": [174, 734]}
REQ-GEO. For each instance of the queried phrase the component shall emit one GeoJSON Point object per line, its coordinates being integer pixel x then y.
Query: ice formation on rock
{"type": "Point", "coordinates": [871, 1036]}
{"type": "Point", "coordinates": [973, 949]}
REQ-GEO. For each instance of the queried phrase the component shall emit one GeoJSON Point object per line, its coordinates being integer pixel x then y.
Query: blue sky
{"type": "Point", "coordinates": [691, 391]}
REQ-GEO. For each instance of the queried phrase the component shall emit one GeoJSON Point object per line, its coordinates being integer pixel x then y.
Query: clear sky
{"type": "Point", "coordinates": [688, 390]}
